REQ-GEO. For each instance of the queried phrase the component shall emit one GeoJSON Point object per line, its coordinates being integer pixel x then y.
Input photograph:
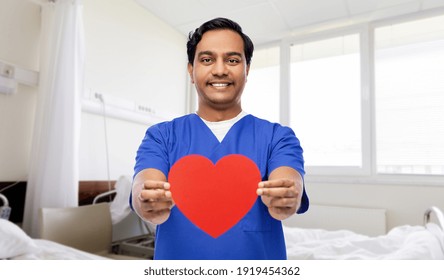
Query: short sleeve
{"type": "Point", "coordinates": [286, 150]}
{"type": "Point", "coordinates": [152, 152]}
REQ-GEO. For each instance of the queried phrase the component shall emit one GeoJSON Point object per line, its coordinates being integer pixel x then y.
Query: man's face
{"type": "Point", "coordinates": [220, 69]}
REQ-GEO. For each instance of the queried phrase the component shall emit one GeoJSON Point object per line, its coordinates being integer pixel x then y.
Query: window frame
{"type": "Point", "coordinates": [367, 173]}
{"type": "Point", "coordinates": [362, 32]}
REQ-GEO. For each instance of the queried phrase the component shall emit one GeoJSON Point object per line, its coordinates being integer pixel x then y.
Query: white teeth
{"type": "Point", "coordinates": [219, 85]}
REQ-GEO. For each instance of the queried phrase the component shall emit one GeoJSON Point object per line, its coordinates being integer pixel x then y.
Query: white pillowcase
{"type": "Point", "coordinates": [14, 241]}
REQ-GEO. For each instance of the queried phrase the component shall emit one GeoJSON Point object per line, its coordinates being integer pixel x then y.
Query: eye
{"type": "Point", "coordinates": [233, 61]}
{"type": "Point", "coordinates": [206, 60]}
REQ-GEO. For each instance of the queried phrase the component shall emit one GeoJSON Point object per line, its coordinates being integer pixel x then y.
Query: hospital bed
{"type": "Point", "coordinates": [16, 244]}
{"type": "Point", "coordinates": [84, 232]}
{"type": "Point", "coordinates": [402, 242]}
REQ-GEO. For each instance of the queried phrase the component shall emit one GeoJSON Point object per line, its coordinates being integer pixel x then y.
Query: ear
{"type": "Point", "coordinates": [247, 70]}
{"type": "Point", "coordinates": [190, 72]}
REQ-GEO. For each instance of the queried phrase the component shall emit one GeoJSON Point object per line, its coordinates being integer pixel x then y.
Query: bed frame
{"type": "Point", "coordinates": [438, 214]}
{"type": "Point", "coordinates": [367, 221]}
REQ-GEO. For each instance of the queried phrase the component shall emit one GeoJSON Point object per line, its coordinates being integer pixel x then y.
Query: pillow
{"type": "Point", "coordinates": [119, 207]}
{"type": "Point", "coordinates": [14, 241]}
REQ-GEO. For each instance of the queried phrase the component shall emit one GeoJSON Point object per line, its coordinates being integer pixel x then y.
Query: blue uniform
{"type": "Point", "coordinates": [257, 235]}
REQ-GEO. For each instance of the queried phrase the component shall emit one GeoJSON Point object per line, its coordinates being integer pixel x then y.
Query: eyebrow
{"type": "Point", "coordinates": [234, 54]}
{"type": "Point", "coordinates": [212, 53]}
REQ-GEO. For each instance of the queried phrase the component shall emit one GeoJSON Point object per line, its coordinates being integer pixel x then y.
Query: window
{"type": "Point", "coordinates": [325, 100]}
{"type": "Point", "coordinates": [261, 93]}
{"type": "Point", "coordinates": [409, 97]}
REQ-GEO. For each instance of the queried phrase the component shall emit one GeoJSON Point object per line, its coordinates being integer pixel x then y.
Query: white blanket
{"type": "Point", "coordinates": [49, 250]}
{"type": "Point", "coordinates": [15, 244]}
{"type": "Point", "coordinates": [404, 242]}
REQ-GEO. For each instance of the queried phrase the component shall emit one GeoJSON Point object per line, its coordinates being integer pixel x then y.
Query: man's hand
{"type": "Point", "coordinates": [151, 196]}
{"type": "Point", "coordinates": [282, 192]}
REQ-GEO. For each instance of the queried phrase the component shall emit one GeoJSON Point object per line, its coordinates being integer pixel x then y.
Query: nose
{"type": "Point", "coordinates": [219, 68]}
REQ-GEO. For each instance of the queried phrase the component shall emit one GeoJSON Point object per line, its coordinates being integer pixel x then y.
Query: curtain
{"type": "Point", "coordinates": [53, 171]}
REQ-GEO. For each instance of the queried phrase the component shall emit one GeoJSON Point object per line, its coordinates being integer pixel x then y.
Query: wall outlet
{"type": "Point", "coordinates": [144, 109]}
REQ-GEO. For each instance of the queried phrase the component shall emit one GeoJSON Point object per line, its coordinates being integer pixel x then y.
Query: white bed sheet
{"type": "Point", "coordinates": [404, 242]}
{"type": "Point", "coordinates": [49, 250]}
{"type": "Point", "coordinates": [15, 244]}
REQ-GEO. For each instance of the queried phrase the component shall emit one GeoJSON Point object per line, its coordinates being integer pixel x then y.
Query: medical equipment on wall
{"type": "Point", "coordinates": [5, 210]}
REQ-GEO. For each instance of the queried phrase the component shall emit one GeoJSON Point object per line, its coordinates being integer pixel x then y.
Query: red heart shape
{"type": "Point", "coordinates": [214, 197]}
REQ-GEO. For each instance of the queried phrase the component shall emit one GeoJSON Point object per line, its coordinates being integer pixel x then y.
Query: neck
{"type": "Point", "coordinates": [218, 115]}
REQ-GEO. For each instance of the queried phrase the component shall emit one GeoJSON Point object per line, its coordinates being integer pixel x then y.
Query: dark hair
{"type": "Point", "coordinates": [215, 24]}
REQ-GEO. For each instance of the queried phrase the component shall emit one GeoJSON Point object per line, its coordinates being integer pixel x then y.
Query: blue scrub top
{"type": "Point", "coordinates": [257, 235]}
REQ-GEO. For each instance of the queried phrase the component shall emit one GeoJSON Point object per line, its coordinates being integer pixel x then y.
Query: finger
{"type": "Point", "coordinates": [149, 184]}
{"type": "Point", "coordinates": [283, 202]}
{"type": "Point", "coordinates": [149, 215]}
{"type": "Point", "coordinates": [278, 192]}
{"type": "Point", "coordinates": [278, 183]}
{"type": "Point", "coordinates": [283, 210]}
{"type": "Point", "coordinates": [168, 194]}
{"type": "Point", "coordinates": [154, 194]}
{"type": "Point", "coordinates": [156, 206]}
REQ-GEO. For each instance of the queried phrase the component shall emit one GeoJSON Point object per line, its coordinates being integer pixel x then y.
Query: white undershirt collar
{"type": "Point", "coordinates": [220, 129]}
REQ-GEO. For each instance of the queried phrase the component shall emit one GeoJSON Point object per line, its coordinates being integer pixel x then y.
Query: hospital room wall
{"type": "Point", "coordinates": [130, 56]}
{"type": "Point", "coordinates": [19, 44]}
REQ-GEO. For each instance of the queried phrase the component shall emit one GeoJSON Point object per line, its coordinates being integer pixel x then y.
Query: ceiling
{"type": "Point", "coordinates": [270, 20]}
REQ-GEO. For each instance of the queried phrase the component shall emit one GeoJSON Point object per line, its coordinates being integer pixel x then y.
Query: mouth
{"type": "Point", "coordinates": [219, 85]}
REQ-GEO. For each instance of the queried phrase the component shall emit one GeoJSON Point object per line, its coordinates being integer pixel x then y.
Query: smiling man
{"type": "Point", "coordinates": [219, 57]}
{"type": "Point", "coordinates": [219, 71]}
